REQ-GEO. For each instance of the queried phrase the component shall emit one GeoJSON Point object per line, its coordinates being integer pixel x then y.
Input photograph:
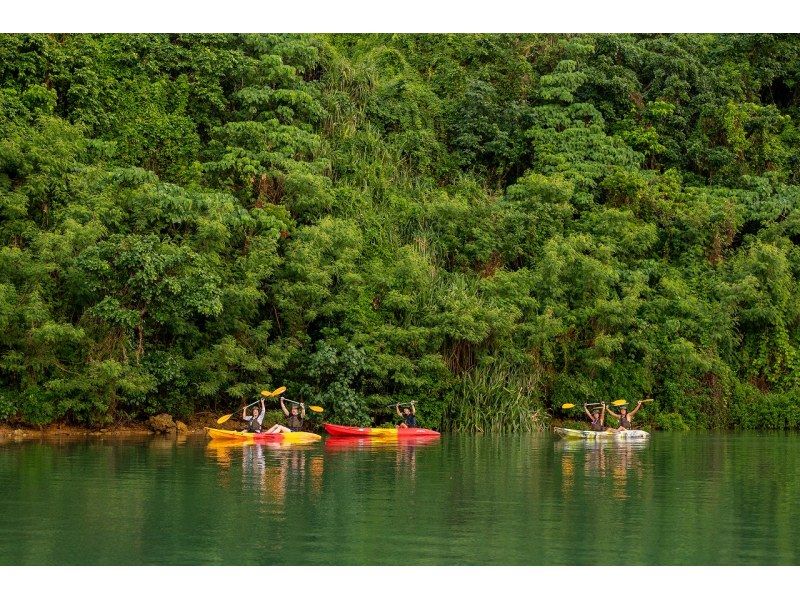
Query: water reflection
{"type": "Point", "coordinates": [273, 472]}
{"type": "Point", "coordinates": [317, 469]}
{"type": "Point", "coordinates": [524, 500]}
{"type": "Point", "coordinates": [567, 473]}
{"type": "Point", "coordinates": [617, 461]}
{"type": "Point", "coordinates": [404, 449]}
{"type": "Point", "coordinates": [267, 468]}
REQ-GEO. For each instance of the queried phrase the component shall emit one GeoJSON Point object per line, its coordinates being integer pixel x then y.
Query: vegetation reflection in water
{"type": "Point", "coordinates": [528, 499]}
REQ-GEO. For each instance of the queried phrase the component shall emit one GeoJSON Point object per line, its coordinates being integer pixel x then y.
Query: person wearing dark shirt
{"type": "Point", "coordinates": [294, 419]}
{"type": "Point", "coordinates": [408, 415]}
{"type": "Point", "coordinates": [596, 418]}
{"type": "Point", "coordinates": [254, 421]}
{"type": "Point", "coordinates": [625, 418]}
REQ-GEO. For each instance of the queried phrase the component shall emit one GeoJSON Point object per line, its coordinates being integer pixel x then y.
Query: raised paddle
{"type": "Point", "coordinates": [264, 393]}
{"type": "Point", "coordinates": [314, 408]}
{"type": "Point", "coordinates": [572, 405]}
{"type": "Point", "coordinates": [622, 402]}
{"type": "Point", "coordinates": [617, 403]}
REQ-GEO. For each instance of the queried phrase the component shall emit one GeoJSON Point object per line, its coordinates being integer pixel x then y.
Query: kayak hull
{"type": "Point", "coordinates": [352, 431]}
{"type": "Point", "coordinates": [250, 437]}
{"type": "Point", "coordinates": [570, 434]}
{"type": "Point", "coordinates": [216, 444]}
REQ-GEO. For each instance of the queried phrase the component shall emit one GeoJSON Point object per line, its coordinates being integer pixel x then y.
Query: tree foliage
{"type": "Point", "coordinates": [488, 224]}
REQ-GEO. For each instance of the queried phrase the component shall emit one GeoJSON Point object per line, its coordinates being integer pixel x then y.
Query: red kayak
{"type": "Point", "coordinates": [336, 430]}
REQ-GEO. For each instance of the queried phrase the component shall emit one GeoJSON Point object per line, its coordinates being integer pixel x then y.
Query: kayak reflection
{"type": "Point", "coordinates": [404, 449]}
{"type": "Point", "coordinates": [269, 467]}
{"type": "Point", "coordinates": [618, 462]}
{"type": "Point", "coordinates": [354, 443]}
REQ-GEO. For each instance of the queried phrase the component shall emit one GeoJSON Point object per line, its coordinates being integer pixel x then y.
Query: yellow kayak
{"type": "Point", "coordinates": [261, 437]}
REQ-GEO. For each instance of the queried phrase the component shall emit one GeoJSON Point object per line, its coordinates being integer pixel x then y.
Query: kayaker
{"type": "Point", "coordinates": [625, 418]}
{"type": "Point", "coordinates": [294, 421]}
{"type": "Point", "coordinates": [408, 415]}
{"type": "Point", "coordinates": [255, 420]}
{"type": "Point", "coordinates": [596, 418]}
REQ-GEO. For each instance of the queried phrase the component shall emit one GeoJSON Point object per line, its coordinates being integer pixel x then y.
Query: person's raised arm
{"type": "Point", "coordinates": [303, 410]}
{"type": "Point", "coordinates": [397, 408]}
{"type": "Point", "coordinates": [638, 406]}
{"type": "Point", "coordinates": [283, 407]}
{"type": "Point", "coordinates": [611, 411]}
{"type": "Point", "coordinates": [588, 413]}
{"type": "Point", "coordinates": [603, 415]}
{"type": "Point", "coordinates": [244, 412]}
{"type": "Point", "coordinates": [413, 409]}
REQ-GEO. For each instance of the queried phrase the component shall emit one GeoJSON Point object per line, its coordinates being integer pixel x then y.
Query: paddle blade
{"type": "Point", "coordinates": [224, 418]}
{"type": "Point", "coordinates": [266, 393]}
{"type": "Point", "coordinates": [619, 403]}
{"type": "Point", "coordinates": [567, 406]}
{"type": "Point", "coordinates": [648, 400]}
{"type": "Point", "coordinates": [316, 408]}
{"type": "Point", "coordinates": [278, 391]}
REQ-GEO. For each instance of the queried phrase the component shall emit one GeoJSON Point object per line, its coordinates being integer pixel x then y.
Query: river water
{"type": "Point", "coordinates": [693, 499]}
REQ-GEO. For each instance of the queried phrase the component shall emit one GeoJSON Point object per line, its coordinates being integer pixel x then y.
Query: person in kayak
{"type": "Point", "coordinates": [294, 419]}
{"type": "Point", "coordinates": [409, 416]}
{"type": "Point", "coordinates": [255, 420]}
{"type": "Point", "coordinates": [625, 418]}
{"type": "Point", "coordinates": [597, 418]}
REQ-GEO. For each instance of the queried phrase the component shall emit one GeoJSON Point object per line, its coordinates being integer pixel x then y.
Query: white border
{"type": "Point", "coordinates": [398, 582]}
{"type": "Point", "coordinates": [407, 16]}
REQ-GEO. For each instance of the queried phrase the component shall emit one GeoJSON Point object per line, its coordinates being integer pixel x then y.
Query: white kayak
{"type": "Point", "coordinates": [570, 434]}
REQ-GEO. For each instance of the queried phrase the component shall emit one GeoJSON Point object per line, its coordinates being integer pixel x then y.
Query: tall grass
{"type": "Point", "coordinates": [496, 399]}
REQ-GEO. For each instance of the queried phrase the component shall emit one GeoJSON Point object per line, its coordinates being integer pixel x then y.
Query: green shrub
{"type": "Point", "coordinates": [7, 409]}
{"type": "Point", "coordinates": [753, 410]}
{"type": "Point", "coordinates": [671, 422]}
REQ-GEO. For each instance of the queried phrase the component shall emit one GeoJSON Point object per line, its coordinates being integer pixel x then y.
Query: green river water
{"type": "Point", "coordinates": [694, 499]}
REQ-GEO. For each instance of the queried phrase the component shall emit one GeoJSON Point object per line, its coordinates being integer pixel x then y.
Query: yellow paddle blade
{"type": "Point", "coordinates": [278, 391]}
{"type": "Point", "coordinates": [266, 393]}
{"type": "Point", "coordinates": [619, 403]}
{"type": "Point", "coordinates": [316, 408]}
{"type": "Point", "coordinates": [648, 400]}
{"type": "Point", "coordinates": [567, 406]}
{"type": "Point", "coordinates": [224, 418]}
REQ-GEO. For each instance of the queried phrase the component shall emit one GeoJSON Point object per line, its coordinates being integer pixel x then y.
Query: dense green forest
{"type": "Point", "coordinates": [489, 224]}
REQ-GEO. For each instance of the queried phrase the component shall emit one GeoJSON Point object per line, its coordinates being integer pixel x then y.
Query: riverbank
{"type": "Point", "coordinates": [159, 425]}
{"type": "Point", "coordinates": [69, 430]}
{"type": "Point", "coordinates": [194, 425]}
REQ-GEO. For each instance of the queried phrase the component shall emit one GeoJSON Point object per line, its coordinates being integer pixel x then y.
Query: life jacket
{"type": "Point", "coordinates": [597, 425]}
{"type": "Point", "coordinates": [624, 422]}
{"type": "Point", "coordinates": [294, 423]}
{"type": "Point", "coordinates": [253, 425]}
{"type": "Point", "coordinates": [411, 420]}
